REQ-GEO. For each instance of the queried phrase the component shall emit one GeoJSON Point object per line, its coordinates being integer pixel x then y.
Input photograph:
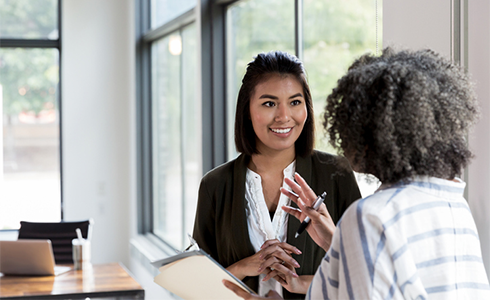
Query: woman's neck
{"type": "Point", "coordinates": [270, 167]}
{"type": "Point", "coordinates": [276, 161]}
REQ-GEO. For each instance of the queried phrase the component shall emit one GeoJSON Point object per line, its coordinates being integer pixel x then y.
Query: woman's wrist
{"type": "Point", "coordinates": [304, 283]}
{"type": "Point", "coordinates": [235, 270]}
{"type": "Point", "coordinates": [326, 246]}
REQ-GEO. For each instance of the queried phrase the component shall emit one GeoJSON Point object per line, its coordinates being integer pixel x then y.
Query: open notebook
{"type": "Point", "coordinates": [28, 257]}
{"type": "Point", "coordinates": [195, 275]}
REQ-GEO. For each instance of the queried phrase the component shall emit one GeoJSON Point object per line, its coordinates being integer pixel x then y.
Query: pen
{"type": "Point", "coordinates": [319, 200]}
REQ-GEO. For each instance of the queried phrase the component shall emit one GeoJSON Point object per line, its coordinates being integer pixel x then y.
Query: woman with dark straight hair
{"type": "Point", "coordinates": [239, 220]}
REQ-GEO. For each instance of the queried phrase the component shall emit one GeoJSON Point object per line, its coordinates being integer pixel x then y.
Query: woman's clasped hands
{"type": "Point", "coordinates": [284, 271]}
{"type": "Point", "coordinates": [275, 261]}
{"type": "Point", "coordinates": [273, 256]}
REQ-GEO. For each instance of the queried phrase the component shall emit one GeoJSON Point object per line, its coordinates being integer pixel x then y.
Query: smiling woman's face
{"type": "Point", "coordinates": [278, 113]}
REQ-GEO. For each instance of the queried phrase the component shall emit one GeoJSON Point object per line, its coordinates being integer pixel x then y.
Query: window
{"type": "Point", "coordinates": [30, 187]}
{"type": "Point", "coordinates": [163, 11]}
{"type": "Point", "coordinates": [187, 93]}
{"type": "Point", "coordinates": [329, 35]}
{"type": "Point", "coordinates": [334, 33]}
{"type": "Point", "coordinates": [175, 128]}
{"type": "Point", "coordinates": [246, 36]}
{"type": "Point", "coordinates": [174, 158]}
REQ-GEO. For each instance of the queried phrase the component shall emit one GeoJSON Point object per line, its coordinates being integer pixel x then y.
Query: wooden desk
{"type": "Point", "coordinates": [104, 280]}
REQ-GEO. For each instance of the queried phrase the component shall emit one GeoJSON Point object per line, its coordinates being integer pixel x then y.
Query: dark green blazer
{"type": "Point", "coordinates": [221, 223]}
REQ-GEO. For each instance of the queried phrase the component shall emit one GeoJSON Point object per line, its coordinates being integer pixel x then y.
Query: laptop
{"type": "Point", "coordinates": [28, 257]}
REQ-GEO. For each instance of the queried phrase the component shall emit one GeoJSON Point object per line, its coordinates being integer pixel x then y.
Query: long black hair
{"type": "Point", "coordinates": [258, 70]}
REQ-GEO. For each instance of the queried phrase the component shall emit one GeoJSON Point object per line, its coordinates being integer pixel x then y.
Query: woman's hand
{"type": "Point", "coordinates": [282, 268]}
{"type": "Point", "coordinates": [294, 284]}
{"type": "Point", "coordinates": [248, 296]}
{"type": "Point", "coordinates": [271, 255]}
{"type": "Point", "coordinates": [277, 260]}
{"type": "Point", "coordinates": [321, 227]}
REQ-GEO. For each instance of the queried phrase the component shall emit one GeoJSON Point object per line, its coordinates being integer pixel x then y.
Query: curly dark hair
{"type": "Point", "coordinates": [260, 69]}
{"type": "Point", "coordinates": [402, 114]}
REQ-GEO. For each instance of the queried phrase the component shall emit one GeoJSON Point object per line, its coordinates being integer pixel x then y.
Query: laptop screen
{"type": "Point", "coordinates": [27, 257]}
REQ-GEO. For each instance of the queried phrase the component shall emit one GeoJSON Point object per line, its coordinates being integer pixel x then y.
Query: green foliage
{"type": "Point", "coordinates": [335, 32]}
{"type": "Point", "coordinates": [29, 78]}
{"type": "Point", "coordinates": [28, 19]}
{"type": "Point", "coordinates": [258, 26]}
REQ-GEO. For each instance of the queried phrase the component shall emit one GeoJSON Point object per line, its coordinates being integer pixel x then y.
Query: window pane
{"type": "Point", "coordinates": [335, 33]}
{"type": "Point", "coordinates": [28, 19]}
{"type": "Point", "coordinates": [253, 26]}
{"type": "Point", "coordinates": [167, 132]}
{"type": "Point", "coordinates": [176, 130]}
{"type": "Point", "coordinates": [192, 127]}
{"type": "Point", "coordinates": [30, 187]}
{"type": "Point", "coordinates": [163, 11]}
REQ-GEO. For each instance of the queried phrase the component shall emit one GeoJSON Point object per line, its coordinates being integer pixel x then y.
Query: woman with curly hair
{"type": "Point", "coordinates": [402, 117]}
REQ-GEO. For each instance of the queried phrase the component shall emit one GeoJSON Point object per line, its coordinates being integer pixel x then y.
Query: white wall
{"type": "Point", "coordinates": [479, 170]}
{"type": "Point", "coordinates": [99, 130]}
{"type": "Point", "coordinates": [420, 24]}
{"type": "Point", "coordinates": [417, 24]}
{"type": "Point", "coordinates": [98, 120]}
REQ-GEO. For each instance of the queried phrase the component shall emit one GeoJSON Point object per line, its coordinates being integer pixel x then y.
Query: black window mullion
{"type": "Point", "coordinates": [182, 134]}
{"type": "Point", "coordinates": [171, 26]}
{"type": "Point", "coordinates": [144, 120]}
{"type": "Point", "coordinates": [60, 114]}
{"type": "Point", "coordinates": [298, 28]}
{"type": "Point", "coordinates": [212, 83]}
{"type": "Point", "coordinates": [30, 43]}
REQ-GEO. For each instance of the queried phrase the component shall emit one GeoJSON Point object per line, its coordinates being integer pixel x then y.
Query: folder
{"type": "Point", "coordinates": [195, 275]}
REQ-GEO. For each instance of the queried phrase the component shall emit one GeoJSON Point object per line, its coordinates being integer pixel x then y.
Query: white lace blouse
{"type": "Point", "coordinates": [260, 226]}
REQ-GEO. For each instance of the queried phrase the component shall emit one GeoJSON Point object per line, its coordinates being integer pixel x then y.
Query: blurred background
{"type": "Point", "coordinates": [114, 109]}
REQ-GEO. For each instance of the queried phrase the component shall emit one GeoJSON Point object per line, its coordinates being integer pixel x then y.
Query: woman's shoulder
{"type": "Point", "coordinates": [369, 211]}
{"type": "Point", "coordinates": [337, 162]}
{"type": "Point", "coordinates": [324, 156]}
{"type": "Point", "coordinates": [379, 207]}
{"type": "Point", "coordinates": [220, 170]}
{"type": "Point", "coordinates": [225, 171]}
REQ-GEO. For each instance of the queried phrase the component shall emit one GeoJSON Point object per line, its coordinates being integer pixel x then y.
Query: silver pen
{"type": "Point", "coordinates": [319, 200]}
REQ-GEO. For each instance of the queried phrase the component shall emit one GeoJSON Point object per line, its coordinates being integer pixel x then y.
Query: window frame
{"type": "Point", "coordinates": [210, 18]}
{"type": "Point", "coordinates": [213, 64]}
{"type": "Point", "coordinates": [51, 44]}
{"type": "Point", "coordinates": [145, 37]}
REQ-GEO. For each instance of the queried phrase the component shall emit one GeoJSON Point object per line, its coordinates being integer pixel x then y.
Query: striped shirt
{"type": "Point", "coordinates": [415, 240]}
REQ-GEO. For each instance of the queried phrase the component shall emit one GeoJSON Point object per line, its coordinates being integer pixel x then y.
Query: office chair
{"type": "Point", "coordinates": [60, 233]}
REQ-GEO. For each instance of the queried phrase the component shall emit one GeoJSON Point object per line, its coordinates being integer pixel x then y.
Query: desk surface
{"type": "Point", "coordinates": [104, 280]}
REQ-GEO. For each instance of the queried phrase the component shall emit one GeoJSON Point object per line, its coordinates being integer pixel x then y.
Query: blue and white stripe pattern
{"type": "Point", "coordinates": [414, 240]}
